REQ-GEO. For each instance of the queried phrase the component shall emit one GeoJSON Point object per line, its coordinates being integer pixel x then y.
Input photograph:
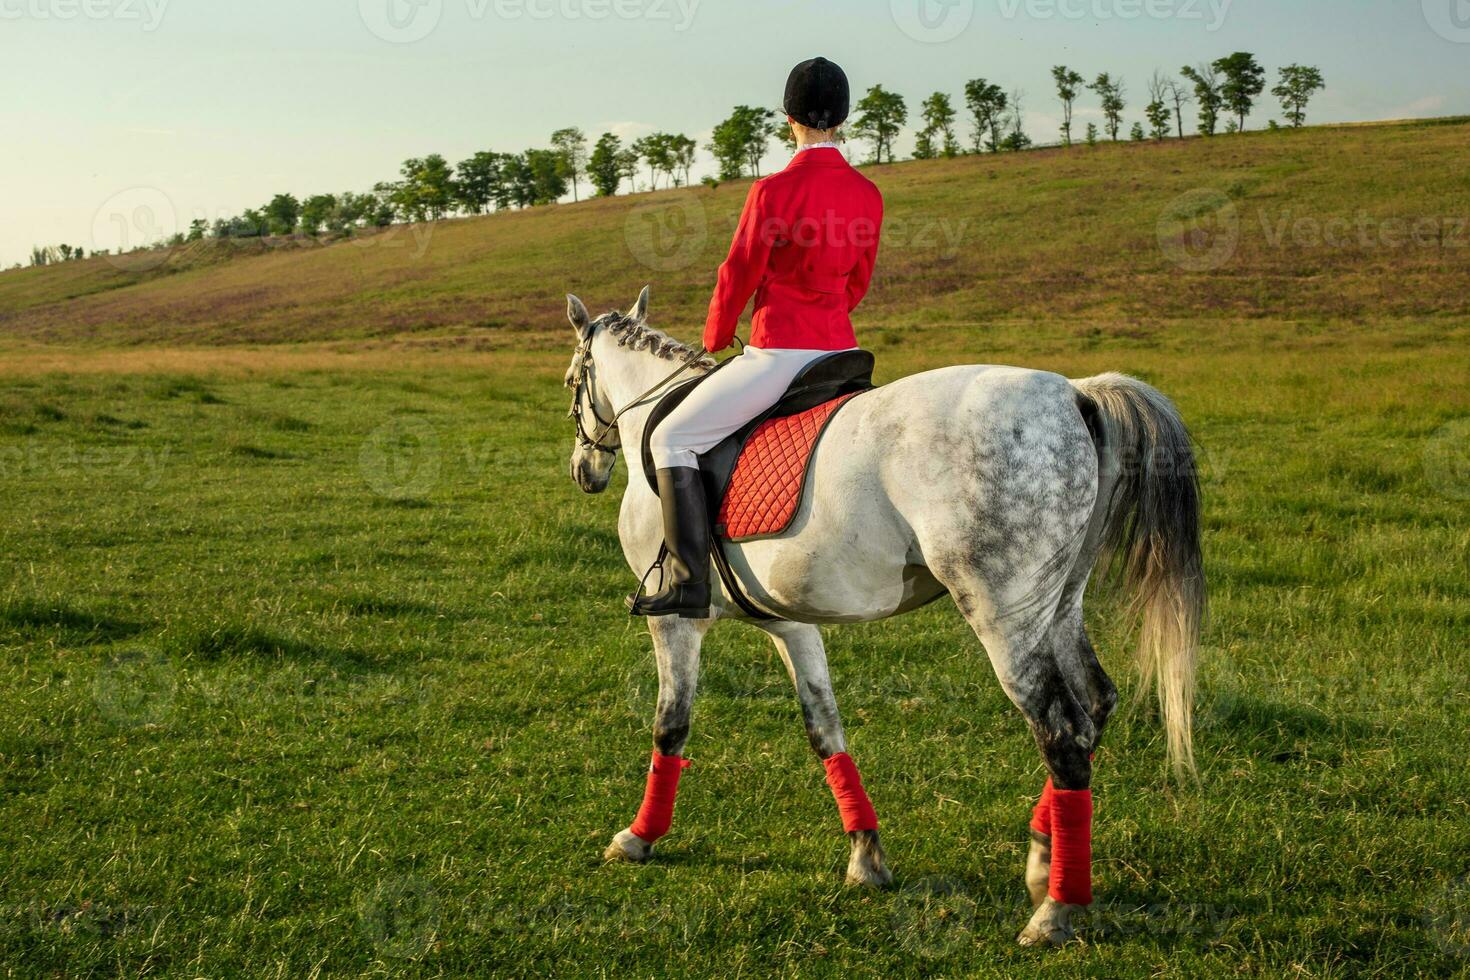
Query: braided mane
{"type": "Point", "coordinates": [637, 335]}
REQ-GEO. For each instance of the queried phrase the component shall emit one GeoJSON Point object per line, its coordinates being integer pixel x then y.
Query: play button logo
{"type": "Point", "coordinates": [401, 21]}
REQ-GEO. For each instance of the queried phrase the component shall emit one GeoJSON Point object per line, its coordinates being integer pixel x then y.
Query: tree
{"type": "Point", "coordinates": [758, 127]}
{"type": "Point", "coordinates": [426, 192]}
{"type": "Point", "coordinates": [476, 181]}
{"type": "Point", "coordinates": [727, 144]}
{"type": "Point", "coordinates": [987, 104]}
{"type": "Point", "coordinates": [937, 136]}
{"type": "Point", "coordinates": [1111, 93]}
{"type": "Point", "coordinates": [385, 203]}
{"type": "Point", "coordinates": [571, 148]}
{"type": "Point", "coordinates": [1179, 95]}
{"type": "Point", "coordinates": [1298, 84]}
{"type": "Point", "coordinates": [548, 182]}
{"type": "Point", "coordinates": [739, 141]}
{"type": "Point", "coordinates": [1207, 93]}
{"type": "Point", "coordinates": [520, 180]}
{"type": "Point", "coordinates": [880, 116]}
{"type": "Point", "coordinates": [315, 211]}
{"type": "Point", "coordinates": [1068, 85]}
{"type": "Point", "coordinates": [351, 208]}
{"type": "Point", "coordinates": [628, 166]}
{"type": "Point", "coordinates": [197, 229]}
{"type": "Point", "coordinates": [1157, 110]}
{"type": "Point", "coordinates": [1136, 134]}
{"type": "Point", "coordinates": [1092, 134]}
{"type": "Point", "coordinates": [681, 151]}
{"type": "Point", "coordinates": [1016, 139]}
{"type": "Point", "coordinates": [281, 214]}
{"type": "Point", "coordinates": [782, 130]}
{"type": "Point", "coordinates": [603, 168]}
{"type": "Point", "coordinates": [653, 150]}
{"type": "Point", "coordinates": [1244, 80]}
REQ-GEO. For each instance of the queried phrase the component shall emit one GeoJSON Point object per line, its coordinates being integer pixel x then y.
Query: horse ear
{"type": "Point", "coordinates": [577, 313]}
{"type": "Point", "coordinates": [639, 312]}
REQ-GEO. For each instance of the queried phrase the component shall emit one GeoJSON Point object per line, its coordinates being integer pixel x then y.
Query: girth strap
{"type": "Point", "coordinates": [732, 584]}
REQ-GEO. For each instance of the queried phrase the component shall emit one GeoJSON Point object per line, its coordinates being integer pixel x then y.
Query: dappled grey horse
{"type": "Point", "coordinates": [1003, 487]}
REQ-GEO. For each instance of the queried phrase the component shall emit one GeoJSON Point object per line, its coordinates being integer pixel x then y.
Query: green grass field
{"type": "Point", "coordinates": [315, 663]}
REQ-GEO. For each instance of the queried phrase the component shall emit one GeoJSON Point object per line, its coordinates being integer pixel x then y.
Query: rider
{"type": "Point", "coordinates": [805, 247]}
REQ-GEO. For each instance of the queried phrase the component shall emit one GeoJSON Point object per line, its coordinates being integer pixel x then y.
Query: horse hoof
{"type": "Point", "coordinates": [867, 867]}
{"type": "Point", "coordinates": [1050, 925]}
{"type": "Point", "coordinates": [867, 877]}
{"type": "Point", "coordinates": [628, 846]}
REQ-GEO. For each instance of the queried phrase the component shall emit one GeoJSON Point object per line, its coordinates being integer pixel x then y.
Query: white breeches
{"type": "Point", "coordinates": [744, 387]}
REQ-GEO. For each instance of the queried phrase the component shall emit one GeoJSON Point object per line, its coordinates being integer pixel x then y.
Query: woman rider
{"type": "Point", "coordinates": [805, 248]}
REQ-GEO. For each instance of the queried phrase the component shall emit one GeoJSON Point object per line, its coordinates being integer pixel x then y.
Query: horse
{"type": "Point", "coordinates": [1003, 487]}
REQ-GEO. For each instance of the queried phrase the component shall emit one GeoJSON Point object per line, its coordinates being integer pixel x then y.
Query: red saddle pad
{"type": "Point", "coordinates": [765, 487]}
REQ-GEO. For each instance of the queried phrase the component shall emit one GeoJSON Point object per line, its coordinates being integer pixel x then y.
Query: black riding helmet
{"type": "Point", "coordinates": [816, 94]}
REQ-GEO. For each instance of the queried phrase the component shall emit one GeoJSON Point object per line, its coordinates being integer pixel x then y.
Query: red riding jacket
{"type": "Point", "coordinates": [805, 247]}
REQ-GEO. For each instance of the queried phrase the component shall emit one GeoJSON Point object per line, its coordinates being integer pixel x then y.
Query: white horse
{"type": "Point", "coordinates": [999, 485]}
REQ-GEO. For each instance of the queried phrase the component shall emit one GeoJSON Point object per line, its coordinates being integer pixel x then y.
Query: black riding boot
{"type": "Point", "coordinates": [686, 532]}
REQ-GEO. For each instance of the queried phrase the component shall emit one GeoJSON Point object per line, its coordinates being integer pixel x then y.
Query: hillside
{"type": "Point", "coordinates": [1332, 224]}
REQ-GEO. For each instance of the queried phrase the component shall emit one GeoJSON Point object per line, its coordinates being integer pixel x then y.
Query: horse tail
{"type": "Point", "coordinates": [1150, 538]}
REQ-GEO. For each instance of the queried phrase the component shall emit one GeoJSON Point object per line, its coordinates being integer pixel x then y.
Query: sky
{"type": "Point", "coordinates": [125, 119]}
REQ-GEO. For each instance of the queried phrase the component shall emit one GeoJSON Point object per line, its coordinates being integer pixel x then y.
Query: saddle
{"type": "Point", "coordinates": [755, 478]}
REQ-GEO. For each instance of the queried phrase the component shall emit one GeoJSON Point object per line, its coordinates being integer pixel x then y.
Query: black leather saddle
{"type": "Point", "coordinates": [828, 377]}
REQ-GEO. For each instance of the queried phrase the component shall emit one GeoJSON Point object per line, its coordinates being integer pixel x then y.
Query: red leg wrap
{"type": "Point", "coordinates": [656, 814]}
{"type": "Point", "coordinates": [1041, 815]}
{"type": "Point", "coordinates": [847, 789]}
{"type": "Point", "coordinates": [1071, 846]}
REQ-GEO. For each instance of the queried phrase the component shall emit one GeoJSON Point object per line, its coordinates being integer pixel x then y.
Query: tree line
{"type": "Point", "coordinates": [429, 188]}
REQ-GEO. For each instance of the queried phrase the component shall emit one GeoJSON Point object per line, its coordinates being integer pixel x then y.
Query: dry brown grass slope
{"type": "Point", "coordinates": [1331, 225]}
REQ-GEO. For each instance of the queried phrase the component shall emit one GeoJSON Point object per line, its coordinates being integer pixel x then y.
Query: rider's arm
{"type": "Point", "coordinates": [740, 274]}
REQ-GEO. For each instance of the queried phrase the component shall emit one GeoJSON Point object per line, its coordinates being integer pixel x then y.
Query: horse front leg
{"type": "Point", "coordinates": [800, 647]}
{"type": "Point", "coordinates": [676, 644]}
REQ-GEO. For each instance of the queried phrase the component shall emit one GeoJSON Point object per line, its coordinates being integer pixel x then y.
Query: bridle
{"type": "Point", "coordinates": [580, 385]}
{"type": "Point", "coordinates": [580, 375]}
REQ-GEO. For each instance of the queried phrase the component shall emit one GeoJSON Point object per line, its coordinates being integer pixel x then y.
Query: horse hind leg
{"type": "Point", "coordinates": [1045, 687]}
{"type": "Point", "coordinates": [1076, 658]}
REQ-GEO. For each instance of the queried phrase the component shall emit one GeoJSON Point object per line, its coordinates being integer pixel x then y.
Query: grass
{"type": "Point", "coordinates": [312, 660]}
